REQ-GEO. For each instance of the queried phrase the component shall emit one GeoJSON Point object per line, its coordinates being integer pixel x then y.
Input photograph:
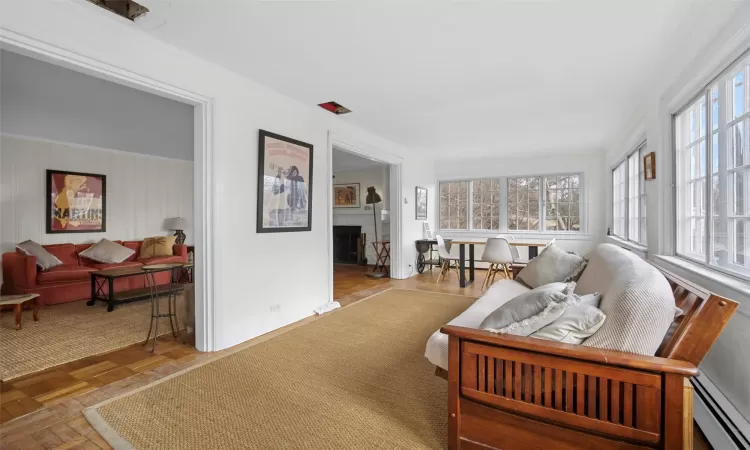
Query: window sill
{"type": "Point", "coordinates": [563, 235]}
{"type": "Point", "coordinates": [724, 280]}
{"type": "Point", "coordinates": [630, 245]}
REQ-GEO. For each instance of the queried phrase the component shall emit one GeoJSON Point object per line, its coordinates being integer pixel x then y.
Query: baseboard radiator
{"type": "Point", "coordinates": [724, 427]}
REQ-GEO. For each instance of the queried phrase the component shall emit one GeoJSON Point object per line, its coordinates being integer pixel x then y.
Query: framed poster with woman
{"type": "Point", "coordinates": [284, 184]}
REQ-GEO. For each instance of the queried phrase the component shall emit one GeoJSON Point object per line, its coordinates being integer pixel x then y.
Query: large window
{"type": "Point", "coordinates": [629, 197]}
{"type": "Point", "coordinates": [712, 158]}
{"type": "Point", "coordinates": [542, 203]}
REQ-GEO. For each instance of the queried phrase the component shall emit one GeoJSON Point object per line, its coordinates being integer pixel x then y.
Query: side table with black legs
{"type": "Point", "coordinates": [175, 273]}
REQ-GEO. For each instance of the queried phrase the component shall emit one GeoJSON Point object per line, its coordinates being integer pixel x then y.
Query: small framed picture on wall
{"type": "Point", "coordinates": [420, 203]}
{"type": "Point", "coordinates": [76, 202]}
{"type": "Point", "coordinates": [346, 195]}
{"type": "Point", "coordinates": [649, 166]}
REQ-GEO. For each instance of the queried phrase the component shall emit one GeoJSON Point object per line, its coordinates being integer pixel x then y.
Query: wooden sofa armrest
{"type": "Point", "coordinates": [578, 352]}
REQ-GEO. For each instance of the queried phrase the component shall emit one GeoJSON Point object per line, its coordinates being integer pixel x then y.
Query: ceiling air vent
{"type": "Point", "coordinates": [124, 8]}
{"type": "Point", "coordinates": [335, 108]}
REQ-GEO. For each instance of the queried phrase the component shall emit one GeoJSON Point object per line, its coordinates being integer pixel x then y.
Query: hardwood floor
{"type": "Point", "coordinates": [43, 410]}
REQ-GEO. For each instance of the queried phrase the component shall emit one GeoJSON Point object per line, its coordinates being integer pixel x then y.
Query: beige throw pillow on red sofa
{"type": "Point", "coordinates": [107, 252]}
{"type": "Point", "coordinates": [157, 246]}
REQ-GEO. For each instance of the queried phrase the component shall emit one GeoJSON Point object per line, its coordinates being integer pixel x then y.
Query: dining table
{"type": "Point", "coordinates": [532, 244]}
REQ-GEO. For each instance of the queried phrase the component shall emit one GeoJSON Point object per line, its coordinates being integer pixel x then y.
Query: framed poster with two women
{"type": "Point", "coordinates": [285, 168]}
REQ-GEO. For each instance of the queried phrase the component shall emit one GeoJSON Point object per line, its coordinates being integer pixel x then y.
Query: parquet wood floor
{"type": "Point", "coordinates": [43, 410]}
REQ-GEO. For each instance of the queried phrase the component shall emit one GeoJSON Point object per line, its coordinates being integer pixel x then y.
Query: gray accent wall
{"type": "Point", "coordinates": [41, 100]}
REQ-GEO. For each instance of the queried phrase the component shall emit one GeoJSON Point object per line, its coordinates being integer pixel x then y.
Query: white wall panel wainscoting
{"type": "Point", "coordinates": [142, 190]}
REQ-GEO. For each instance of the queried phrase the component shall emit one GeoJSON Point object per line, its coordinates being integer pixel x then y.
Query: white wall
{"type": "Point", "coordinates": [727, 363]}
{"type": "Point", "coordinates": [142, 191]}
{"type": "Point", "coordinates": [47, 101]}
{"type": "Point", "coordinates": [290, 271]}
{"type": "Point", "coordinates": [379, 178]}
{"type": "Point", "coordinates": [588, 164]}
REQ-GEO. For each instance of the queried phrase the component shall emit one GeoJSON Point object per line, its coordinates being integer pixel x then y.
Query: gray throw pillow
{"type": "Point", "coordinates": [552, 265]}
{"type": "Point", "coordinates": [526, 313]}
{"type": "Point", "coordinates": [107, 252]}
{"type": "Point", "coordinates": [44, 259]}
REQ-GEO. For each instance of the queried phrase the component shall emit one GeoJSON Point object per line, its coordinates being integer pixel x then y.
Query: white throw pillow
{"type": "Point", "coordinates": [579, 321]}
{"type": "Point", "coordinates": [44, 259]}
{"type": "Point", "coordinates": [107, 252]}
{"type": "Point", "coordinates": [552, 265]}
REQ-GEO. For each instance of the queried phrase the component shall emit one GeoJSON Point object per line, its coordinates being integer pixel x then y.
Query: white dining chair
{"type": "Point", "coordinates": [448, 262]}
{"type": "Point", "coordinates": [497, 252]}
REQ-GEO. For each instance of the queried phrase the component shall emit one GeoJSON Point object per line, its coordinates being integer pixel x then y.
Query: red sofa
{"type": "Point", "coordinates": [71, 281]}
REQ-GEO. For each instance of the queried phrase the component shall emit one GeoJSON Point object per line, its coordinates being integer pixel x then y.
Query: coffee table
{"type": "Point", "coordinates": [107, 277]}
{"type": "Point", "coordinates": [17, 302]}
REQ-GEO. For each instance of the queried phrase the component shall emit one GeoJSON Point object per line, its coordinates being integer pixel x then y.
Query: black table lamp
{"type": "Point", "coordinates": [373, 198]}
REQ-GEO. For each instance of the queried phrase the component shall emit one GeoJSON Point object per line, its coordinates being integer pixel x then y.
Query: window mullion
{"type": "Point", "coordinates": [707, 245]}
{"type": "Point", "coordinates": [723, 174]}
{"type": "Point", "coordinates": [542, 197]}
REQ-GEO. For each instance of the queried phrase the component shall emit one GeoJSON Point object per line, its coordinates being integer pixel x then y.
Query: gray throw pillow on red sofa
{"type": "Point", "coordinates": [44, 259]}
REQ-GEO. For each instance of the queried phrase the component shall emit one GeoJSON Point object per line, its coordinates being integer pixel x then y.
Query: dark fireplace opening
{"type": "Point", "coordinates": [346, 244]}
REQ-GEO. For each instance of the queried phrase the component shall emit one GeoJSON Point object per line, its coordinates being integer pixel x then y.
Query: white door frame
{"type": "Point", "coordinates": [203, 167]}
{"type": "Point", "coordinates": [396, 204]}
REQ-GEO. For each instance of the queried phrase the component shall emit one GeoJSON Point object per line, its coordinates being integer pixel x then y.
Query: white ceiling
{"type": "Point", "coordinates": [454, 77]}
{"type": "Point", "coordinates": [343, 160]}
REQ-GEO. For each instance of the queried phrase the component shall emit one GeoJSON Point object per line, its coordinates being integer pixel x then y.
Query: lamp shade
{"type": "Point", "coordinates": [372, 196]}
{"type": "Point", "coordinates": [176, 223]}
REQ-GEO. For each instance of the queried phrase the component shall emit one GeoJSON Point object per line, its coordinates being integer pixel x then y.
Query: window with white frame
{"type": "Point", "coordinates": [454, 205]}
{"type": "Point", "coordinates": [629, 197]}
{"type": "Point", "coordinates": [523, 204]}
{"type": "Point", "coordinates": [619, 201]}
{"type": "Point", "coordinates": [712, 157]}
{"type": "Point", "coordinates": [535, 203]}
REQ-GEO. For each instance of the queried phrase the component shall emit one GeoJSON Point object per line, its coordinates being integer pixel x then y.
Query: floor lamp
{"type": "Point", "coordinates": [373, 198]}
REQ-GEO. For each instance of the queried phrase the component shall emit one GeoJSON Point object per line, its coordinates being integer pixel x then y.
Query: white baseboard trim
{"type": "Point", "coordinates": [718, 419]}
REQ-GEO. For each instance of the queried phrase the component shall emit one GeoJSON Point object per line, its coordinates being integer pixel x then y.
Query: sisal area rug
{"type": "Point", "coordinates": [355, 378]}
{"type": "Point", "coordinates": [72, 331]}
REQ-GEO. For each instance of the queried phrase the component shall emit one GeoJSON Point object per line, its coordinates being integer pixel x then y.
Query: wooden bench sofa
{"type": "Point", "coordinates": [519, 393]}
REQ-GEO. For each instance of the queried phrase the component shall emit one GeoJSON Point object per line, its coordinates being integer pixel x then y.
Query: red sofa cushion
{"type": "Point", "coordinates": [102, 266]}
{"type": "Point", "coordinates": [64, 252]}
{"type": "Point", "coordinates": [66, 272]}
{"type": "Point", "coordinates": [135, 245]}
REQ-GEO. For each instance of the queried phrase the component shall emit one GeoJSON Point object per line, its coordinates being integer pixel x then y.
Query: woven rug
{"type": "Point", "coordinates": [72, 331]}
{"type": "Point", "coordinates": [355, 378]}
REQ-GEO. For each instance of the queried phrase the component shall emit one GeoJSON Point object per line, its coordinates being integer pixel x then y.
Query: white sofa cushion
{"type": "Point", "coordinates": [579, 321]}
{"type": "Point", "coordinates": [636, 298]}
{"type": "Point", "coordinates": [498, 294]}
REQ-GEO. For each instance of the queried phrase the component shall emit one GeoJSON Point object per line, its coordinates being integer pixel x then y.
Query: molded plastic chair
{"type": "Point", "coordinates": [499, 253]}
{"type": "Point", "coordinates": [449, 262]}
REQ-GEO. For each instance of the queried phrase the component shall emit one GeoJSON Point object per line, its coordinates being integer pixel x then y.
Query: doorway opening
{"type": "Point", "coordinates": [362, 205]}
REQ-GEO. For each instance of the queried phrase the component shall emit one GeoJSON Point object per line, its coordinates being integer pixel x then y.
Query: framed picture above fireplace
{"type": "Point", "coordinates": [346, 195]}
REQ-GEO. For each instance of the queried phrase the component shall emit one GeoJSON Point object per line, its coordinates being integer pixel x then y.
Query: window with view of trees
{"type": "Point", "coordinates": [545, 203]}
{"type": "Point", "coordinates": [712, 157]}
{"type": "Point", "coordinates": [485, 205]}
{"type": "Point", "coordinates": [523, 203]}
{"type": "Point", "coordinates": [454, 200]}
{"type": "Point", "coordinates": [629, 197]}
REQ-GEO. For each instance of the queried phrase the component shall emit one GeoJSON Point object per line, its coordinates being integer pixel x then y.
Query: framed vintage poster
{"type": "Point", "coordinates": [649, 166]}
{"type": "Point", "coordinates": [76, 202]}
{"type": "Point", "coordinates": [420, 203]}
{"type": "Point", "coordinates": [346, 195]}
{"type": "Point", "coordinates": [285, 168]}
